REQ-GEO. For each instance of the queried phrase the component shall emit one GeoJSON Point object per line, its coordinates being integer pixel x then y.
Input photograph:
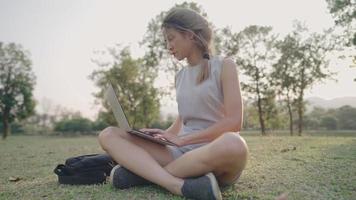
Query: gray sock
{"type": "Point", "coordinates": [203, 187]}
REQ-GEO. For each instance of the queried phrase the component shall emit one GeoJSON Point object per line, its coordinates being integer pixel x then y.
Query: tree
{"type": "Point", "coordinates": [344, 14]}
{"type": "Point", "coordinates": [303, 63]}
{"type": "Point", "coordinates": [254, 51]}
{"type": "Point", "coordinates": [133, 82]}
{"type": "Point", "coordinates": [312, 65]}
{"type": "Point", "coordinates": [283, 74]}
{"type": "Point", "coordinates": [16, 85]}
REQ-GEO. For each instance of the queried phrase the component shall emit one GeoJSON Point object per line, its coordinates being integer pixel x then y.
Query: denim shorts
{"type": "Point", "coordinates": [179, 151]}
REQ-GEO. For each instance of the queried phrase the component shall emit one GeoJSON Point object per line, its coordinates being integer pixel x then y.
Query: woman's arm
{"type": "Point", "coordinates": [232, 121]}
{"type": "Point", "coordinates": [175, 127]}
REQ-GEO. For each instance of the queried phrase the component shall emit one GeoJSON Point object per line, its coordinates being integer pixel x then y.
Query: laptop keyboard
{"type": "Point", "coordinates": [151, 134]}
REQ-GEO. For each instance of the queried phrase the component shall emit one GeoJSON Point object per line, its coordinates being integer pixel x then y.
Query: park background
{"type": "Point", "coordinates": [64, 53]}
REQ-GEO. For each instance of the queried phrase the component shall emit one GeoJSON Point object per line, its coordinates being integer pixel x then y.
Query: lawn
{"type": "Point", "coordinates": [307, 167]}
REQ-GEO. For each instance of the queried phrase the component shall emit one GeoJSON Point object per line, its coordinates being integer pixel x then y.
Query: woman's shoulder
{"type": "Point", "coordinates": [217, 58]}
{"type": "Point", "coordinates": [221, 59]}
{"type": "Point", "coordinates": [219, 62]}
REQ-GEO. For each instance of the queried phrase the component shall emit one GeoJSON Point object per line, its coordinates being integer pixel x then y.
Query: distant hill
{"type": "Point", "coordinates": [332, 103]}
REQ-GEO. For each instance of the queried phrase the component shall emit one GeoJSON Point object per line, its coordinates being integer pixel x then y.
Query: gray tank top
{"type": "Point", "coordinates": [199, 106]}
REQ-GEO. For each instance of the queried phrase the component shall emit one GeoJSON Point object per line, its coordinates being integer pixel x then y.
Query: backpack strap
{"type": "Point", "coordinates": [93, 162]}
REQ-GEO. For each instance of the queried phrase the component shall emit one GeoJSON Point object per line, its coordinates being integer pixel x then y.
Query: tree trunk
{"type": "Point", "coordinates": [262, 123]}
{"type": "Point", "coordinates": [147, 124]}
{"type": "Point", "coordinates": [259, 105]}
{"type": "Point", "coordinates": [300, 102]}
{"type": "Point", "coordinates": [260, 114]}
{"type": "Point", "coordinates": [290, 115]}
{"type": "Point", "coordinates": [300, 113]}
{"type": "Point", "coordinates": [6, 126]}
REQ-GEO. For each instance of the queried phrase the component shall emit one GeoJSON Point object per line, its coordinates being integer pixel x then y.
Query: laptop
{"type": "Point", "coordinates": [121, 119]}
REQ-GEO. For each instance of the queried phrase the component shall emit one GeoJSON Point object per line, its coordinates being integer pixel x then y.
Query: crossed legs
{"type": "Point", "coordinates": [226, 157]}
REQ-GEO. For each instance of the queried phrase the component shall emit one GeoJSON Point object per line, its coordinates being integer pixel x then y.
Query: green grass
{"type": "Point", "coordinates": [308, 167]}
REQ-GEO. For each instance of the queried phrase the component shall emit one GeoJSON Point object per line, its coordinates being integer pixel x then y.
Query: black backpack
{"type": "Point", "coordinates": [85, 169]}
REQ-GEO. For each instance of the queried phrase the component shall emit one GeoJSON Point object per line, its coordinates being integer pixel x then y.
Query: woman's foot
{"type": "Point", "coordinates": [122, 178]}
{"type": "Point", "coordinates": [204, 187]}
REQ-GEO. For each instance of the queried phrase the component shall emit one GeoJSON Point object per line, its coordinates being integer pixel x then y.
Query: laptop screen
{"type": "Point", "coordinates": [116, 108]}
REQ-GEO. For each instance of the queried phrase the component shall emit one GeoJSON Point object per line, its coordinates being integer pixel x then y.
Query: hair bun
{"type": "Point", "coordinates": [206, 56]}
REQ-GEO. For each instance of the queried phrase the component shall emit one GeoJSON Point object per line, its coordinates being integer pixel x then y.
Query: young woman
{"type": "Point", "coordinates": [211, 152]}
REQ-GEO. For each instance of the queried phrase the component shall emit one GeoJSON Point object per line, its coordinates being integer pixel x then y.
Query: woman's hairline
{"type": "Point", "coordinates": [181, 29]}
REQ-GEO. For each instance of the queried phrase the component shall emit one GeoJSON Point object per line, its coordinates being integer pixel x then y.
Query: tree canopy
{"type": "Point", "coordinates": [16, 85]}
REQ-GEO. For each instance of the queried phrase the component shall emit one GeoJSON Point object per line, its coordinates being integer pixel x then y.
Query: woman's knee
{"type": "Point", "coordinates": [108, 134]}
{"type": "Point", "coordinates": [232, 146]}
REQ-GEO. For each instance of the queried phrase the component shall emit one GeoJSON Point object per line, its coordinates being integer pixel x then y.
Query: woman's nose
{"type": "Point", "coordinates": [169, 46]}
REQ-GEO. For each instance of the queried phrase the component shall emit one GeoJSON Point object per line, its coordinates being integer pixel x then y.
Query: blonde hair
{"type": "Point", "coordinates": [187, 20]}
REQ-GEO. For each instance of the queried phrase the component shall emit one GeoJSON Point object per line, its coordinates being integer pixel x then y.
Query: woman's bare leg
{"type": "Point", "coordinates": [226, 157]}
{"type": "Point", "coordinates": [142, 157]}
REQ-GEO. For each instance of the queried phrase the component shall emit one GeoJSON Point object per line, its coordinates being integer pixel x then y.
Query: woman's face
{"type": "Point", "coordinates": [179, 44]}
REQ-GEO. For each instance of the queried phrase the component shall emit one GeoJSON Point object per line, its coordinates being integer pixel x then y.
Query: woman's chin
{"type": "Point", "coordinates": [179, 58]}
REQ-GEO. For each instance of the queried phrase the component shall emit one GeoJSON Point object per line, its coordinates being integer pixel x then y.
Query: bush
{"type": "Point", "coordinates": [15, 127]}
{"type": "Point", "coordinates": [76, 124]}
{"type": "Point", "coordinates": [329, 123]}
{"type": "Point", "coordinates": [346, 116]}
{"type": "Point", "coordinates": [99, 125]}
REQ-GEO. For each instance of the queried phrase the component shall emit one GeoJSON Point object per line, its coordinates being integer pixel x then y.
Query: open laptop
{"type": "Point", "coordinates": [121, 119]}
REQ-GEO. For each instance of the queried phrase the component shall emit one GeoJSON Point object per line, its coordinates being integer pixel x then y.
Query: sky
{"type": "Point", "coordinates": [63, 35]}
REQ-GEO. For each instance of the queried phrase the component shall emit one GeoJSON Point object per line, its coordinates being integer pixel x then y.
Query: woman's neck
{"type": "Point", "coordinates": [195, 58]}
